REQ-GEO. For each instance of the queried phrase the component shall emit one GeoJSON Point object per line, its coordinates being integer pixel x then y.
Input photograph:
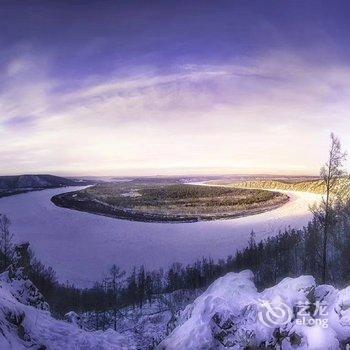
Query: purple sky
{"type": "Point", "coordinates": [162, 87]}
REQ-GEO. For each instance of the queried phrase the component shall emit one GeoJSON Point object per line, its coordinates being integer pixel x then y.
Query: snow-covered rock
{"type": "Point", "coordinates": [294, 314]}
{"type": "Point", "coordinates": [15, 280]}
{"type": "Point", "coordinates": [23, 326]}
{"type": "Point", "coordinates": [26, 323]}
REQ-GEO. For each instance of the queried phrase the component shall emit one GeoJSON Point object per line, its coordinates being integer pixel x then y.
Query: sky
{"type": "Point", "coordinates": [172, 87]}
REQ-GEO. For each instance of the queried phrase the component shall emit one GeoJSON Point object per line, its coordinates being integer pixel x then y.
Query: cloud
{"type": "Point", "coordinates": [272, 114]}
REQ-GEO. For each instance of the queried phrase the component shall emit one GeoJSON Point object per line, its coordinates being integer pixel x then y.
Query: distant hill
{"type": "Point", "coordinates": [342, 186]}
{"type": "Point", "coordinates": [19, 182]}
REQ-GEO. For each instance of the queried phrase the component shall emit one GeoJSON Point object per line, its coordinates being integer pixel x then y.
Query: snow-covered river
{"type": "Point", "coordinates": [81, 247]}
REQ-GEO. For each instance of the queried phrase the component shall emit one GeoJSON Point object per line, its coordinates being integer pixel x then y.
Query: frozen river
{"type": "Point", "coordinates": [81, 247]}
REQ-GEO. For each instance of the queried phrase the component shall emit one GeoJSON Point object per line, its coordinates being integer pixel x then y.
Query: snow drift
{"type": "Point", "coordinates": [232, 314]}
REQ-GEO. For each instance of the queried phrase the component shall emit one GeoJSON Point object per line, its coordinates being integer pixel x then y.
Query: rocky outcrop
{"type": "Point", "coordinates": [294, 314]}
{"type": "Point", "coordinates": [26, 323]}
{"type": "Point", "coordinates": [15, 279]}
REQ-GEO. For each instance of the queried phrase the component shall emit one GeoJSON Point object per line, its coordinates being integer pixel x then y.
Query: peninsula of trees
{"type": "Point", "coordinates": [172, 202]}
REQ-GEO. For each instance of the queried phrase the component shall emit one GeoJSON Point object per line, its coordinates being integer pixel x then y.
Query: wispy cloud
{"type": "Point", "coordinates": [270, 115]}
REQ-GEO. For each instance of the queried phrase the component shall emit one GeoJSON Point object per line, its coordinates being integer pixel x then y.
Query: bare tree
{"type": "Point", "coordinates": [330, 172]}
{"type": "Point", "coordinates": [115, 276]}
{"type": "Point", "coordinates": [5, 239]}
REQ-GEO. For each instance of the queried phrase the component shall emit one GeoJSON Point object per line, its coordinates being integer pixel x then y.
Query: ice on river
{"type": "Point", "coordinates": [81, 247]}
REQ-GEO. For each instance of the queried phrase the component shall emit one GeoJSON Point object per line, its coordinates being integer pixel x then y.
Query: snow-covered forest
{"type": "Point", "coordinates": [229, 314]}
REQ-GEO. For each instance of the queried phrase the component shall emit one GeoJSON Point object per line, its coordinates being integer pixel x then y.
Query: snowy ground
{"type": "Point", "coordinates": [81, 247]}
{"type": "Point", "coordinates": [148, 325]}
{"type": "Point", "coordinates": [26, 323]}
{"type": "Point", "coordinates": [231, 314]}
{"type": "Point", "coordinates": [294, 314]}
